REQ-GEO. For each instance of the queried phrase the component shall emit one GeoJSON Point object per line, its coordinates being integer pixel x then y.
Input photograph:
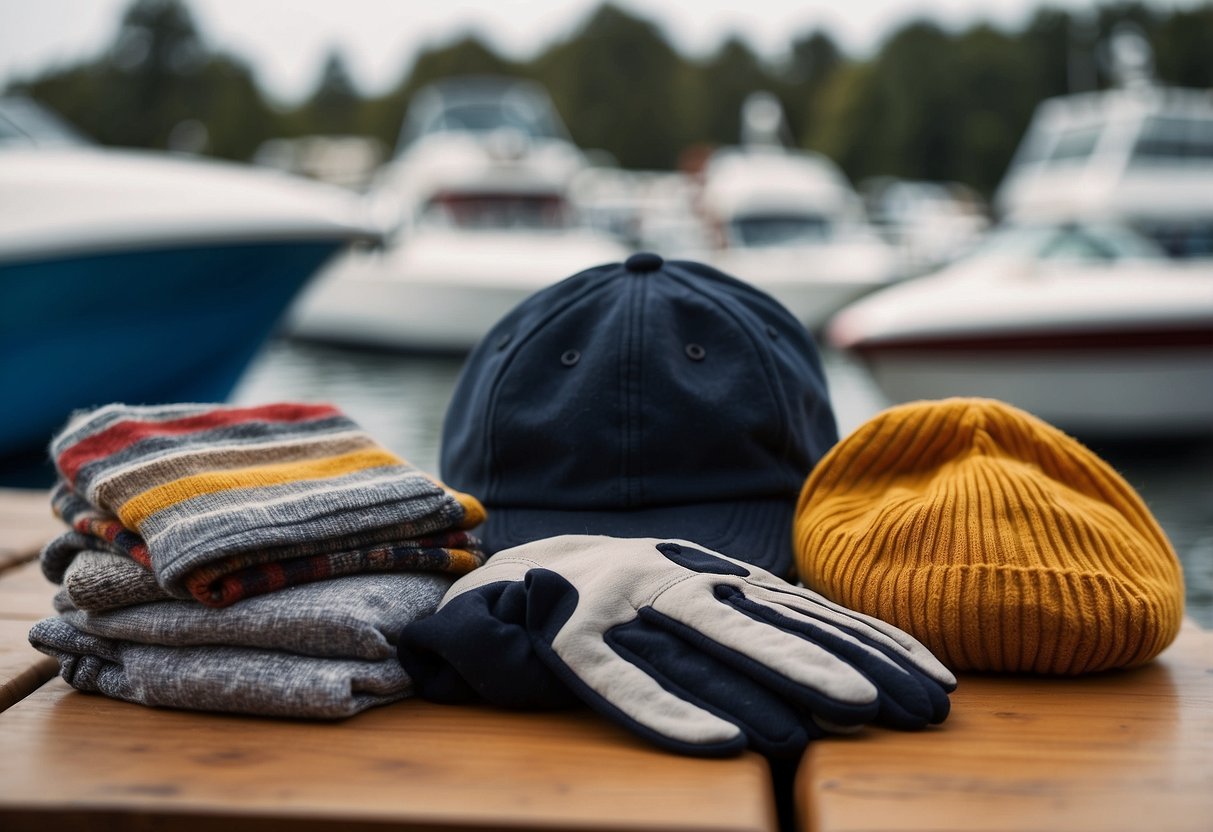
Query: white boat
{"type": "Point", "coordinates": [928, 223]}
{"type": "Point", "coordinates": [440, 292]}
{"type": "Point", "coordinates": [1139, 154]}
{"type": "Point", "coordinates": [1090, 327]}
{"type": "Point", "coordinates": [139, 276]}
{"type": "Point", "coordinates": [478, 200]}
{"type": "Point", "coordinates": [789, 222]}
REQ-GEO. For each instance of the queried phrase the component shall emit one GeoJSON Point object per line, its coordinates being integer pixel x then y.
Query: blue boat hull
{"type": "Point", "coordinates": [150, 327]}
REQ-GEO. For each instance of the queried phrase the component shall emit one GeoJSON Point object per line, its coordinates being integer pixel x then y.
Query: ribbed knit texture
{"type": "Point", "coordinates": [222, 503]}
{"type": "Point", "coordinates": [997, 540]}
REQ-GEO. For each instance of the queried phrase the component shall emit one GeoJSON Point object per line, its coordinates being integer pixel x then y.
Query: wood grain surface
{"type": "Point", "coordinates": [72, 760]}
{"type": "Point", "coordinates": [1128, 750]}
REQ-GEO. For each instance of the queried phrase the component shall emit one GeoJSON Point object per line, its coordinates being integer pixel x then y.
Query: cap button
{"type": "Point", "coordinates": [644, 261]}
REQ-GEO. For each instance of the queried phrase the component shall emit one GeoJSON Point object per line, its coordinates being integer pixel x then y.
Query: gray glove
{"type": "Point", "coordinates": [694, 650]}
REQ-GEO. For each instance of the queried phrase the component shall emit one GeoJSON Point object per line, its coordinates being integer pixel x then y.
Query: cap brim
{"type": "Point", "coordinates": [755, 531]}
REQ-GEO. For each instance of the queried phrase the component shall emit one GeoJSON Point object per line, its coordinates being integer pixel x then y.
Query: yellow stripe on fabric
{"type": "Point", "coordinates": [137, 509]}
{"type": "Point", "coordinates": [474, 513]}
{"type": "Point", "coordinates": [473, 510]}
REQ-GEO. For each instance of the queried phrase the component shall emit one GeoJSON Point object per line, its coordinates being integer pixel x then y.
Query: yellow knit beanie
{"type": "Point", "coordinates": [995, 539]}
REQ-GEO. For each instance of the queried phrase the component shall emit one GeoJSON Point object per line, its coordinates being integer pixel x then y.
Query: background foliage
{"type": "Point", "coordinates": [929, 104]}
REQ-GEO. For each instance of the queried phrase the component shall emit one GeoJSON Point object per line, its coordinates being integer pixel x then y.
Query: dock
{"type": "Point", "coordinates": [1116, 751]}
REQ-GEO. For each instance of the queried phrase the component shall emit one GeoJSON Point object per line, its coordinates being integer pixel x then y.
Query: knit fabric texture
{"type": "Point", "coordinates": [354, 617]}
{"type": "Point", "coordinates": [223, 503]}
{"type": "Point", "coordinates": [97, 580]}
{"type": "Point", "coordinates": [995, 539]}
{"type": "Point", "coordinates": [229, 679]}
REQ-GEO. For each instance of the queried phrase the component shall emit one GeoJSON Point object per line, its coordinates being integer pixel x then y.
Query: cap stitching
{"type": "Point", "coordinates": [625, 394]}
{"type": "Point", "coordinates": [636, 424]}
{"type": "Point", "coordinates": [633, 335]}
{"type": "Point", "coordinates": [494, 471]}
{"type": "Point", "coordinates": [772, 380]}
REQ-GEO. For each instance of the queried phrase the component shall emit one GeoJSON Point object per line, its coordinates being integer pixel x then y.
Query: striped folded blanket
{"type": "Point", "coordinates": [222, 503]}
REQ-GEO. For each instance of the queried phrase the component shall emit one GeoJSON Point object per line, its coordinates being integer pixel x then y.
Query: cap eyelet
{"type": "Point", "coordinates": [570, 357]}
{"type": "Point", "coordinates": [504, 341]}
{"type": "Point", "coordinates": [695, 352]}
{"type": "Point", "coordinates": [772, 333]}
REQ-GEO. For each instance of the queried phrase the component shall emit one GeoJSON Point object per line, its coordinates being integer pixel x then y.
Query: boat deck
{"type": "Point", "coordinates": [1115, 751]}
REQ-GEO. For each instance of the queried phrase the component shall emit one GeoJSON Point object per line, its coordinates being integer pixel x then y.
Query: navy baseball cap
{"type": "Point", "coordinates": [642, 399]}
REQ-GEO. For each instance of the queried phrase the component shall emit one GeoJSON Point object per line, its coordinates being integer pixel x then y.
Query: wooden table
{"type": "Point", "coordinates": [73, 761]}
{"type": "Point", "coordinates": [1130, 750]}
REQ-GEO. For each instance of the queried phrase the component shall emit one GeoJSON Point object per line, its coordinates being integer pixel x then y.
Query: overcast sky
{"type": "Point", "coordinates": [286, 40]}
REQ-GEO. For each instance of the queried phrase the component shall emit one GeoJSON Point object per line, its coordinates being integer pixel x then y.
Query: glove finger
{"type": "Point", "coordinates": [575, 651]}
{"type": "Point", "coordinates": [772, 725]}
{"type": "Point", "coordinates": [909, 698]}
{"type": "Point", "coordinates": [800, 670]}
{"type": "Point", "coordinates": [892, 639]}
{"type": "Point", "coordinates": [627, 695]}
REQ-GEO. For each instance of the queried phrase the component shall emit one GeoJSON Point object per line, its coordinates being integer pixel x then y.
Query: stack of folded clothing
{"type": "Point", "coordinates": [254, 560]}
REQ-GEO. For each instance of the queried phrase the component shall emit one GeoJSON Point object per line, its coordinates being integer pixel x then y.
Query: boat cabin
{"type": "Point", "coordinates": [1141, 155]}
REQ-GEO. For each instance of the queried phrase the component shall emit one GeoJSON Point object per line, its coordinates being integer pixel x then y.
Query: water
{"type": "Point", "coordinates": [401, 400]}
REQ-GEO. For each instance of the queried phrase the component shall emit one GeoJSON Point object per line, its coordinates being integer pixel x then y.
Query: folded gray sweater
{"type": "Point", "coordinates": [324, 649]}
{"type": "Point", "coordinates": [232, 679]}
{"type": "Point", "coordinates": [356, 616]}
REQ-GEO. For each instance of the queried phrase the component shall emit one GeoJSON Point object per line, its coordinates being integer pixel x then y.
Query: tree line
{"type": "Point", "coordinates": [930, 103]}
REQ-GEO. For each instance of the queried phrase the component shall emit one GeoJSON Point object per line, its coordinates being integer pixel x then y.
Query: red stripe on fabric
{"type": "Point", "coordinates": [141, 556]}
{"type": "Point", "coordinates": [109, 530]}
{"type": "Point", "coordinates": [246, 583]}
{"type": "Point", "coordinates": [225, 591]}
{"type": "Point", "coordinates": [126, 433]}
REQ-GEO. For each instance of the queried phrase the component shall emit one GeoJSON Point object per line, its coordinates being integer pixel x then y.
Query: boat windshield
{"type": "Point", "coordinates": [485, 117]}
{"type": "Point", "coordinates": [482, 107]}
{"type": "Point", "coordinates": [1171, 139]}
{"type": "Point", "coordinates": [1075, 145]}
{"type": "Point", "coordinates": [765, 230]}
{"type": "Point", "coordinates": [1071, 241]}
{"type": "Point", "coordinates": [22, 121]}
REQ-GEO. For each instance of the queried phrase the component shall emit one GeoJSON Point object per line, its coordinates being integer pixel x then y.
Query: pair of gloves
{"type": "Point", "coordinates": [696, 651]}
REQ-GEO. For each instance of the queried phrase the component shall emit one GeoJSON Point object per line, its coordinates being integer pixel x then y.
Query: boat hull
{"type": "Point", "coordinates": [1118, 349]}
{"type": "Point", "coordinates": [1166, 390]}
{"type": "Point", "coordinates": [149, 326]}
{"type": "Point", "coordinates": [813, 280]}
{"type": "Point", "coordinates": [422, 315]}
{"type": "Point", "coordinates": [439, 292]}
